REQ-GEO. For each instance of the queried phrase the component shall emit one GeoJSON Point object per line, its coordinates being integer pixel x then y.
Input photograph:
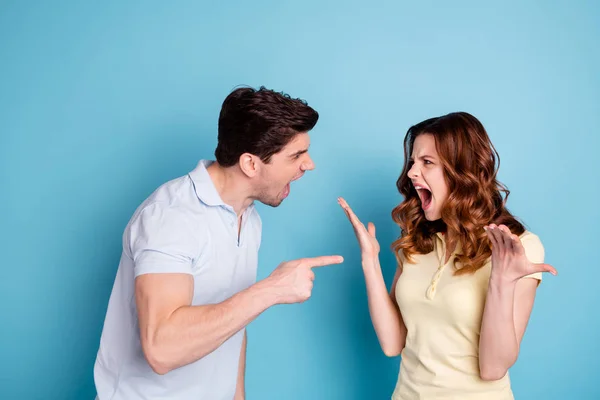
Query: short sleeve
{"type": "Point", "coordinates": [162, 239]}
{"type": "Point", "coordinates": [534, 250]}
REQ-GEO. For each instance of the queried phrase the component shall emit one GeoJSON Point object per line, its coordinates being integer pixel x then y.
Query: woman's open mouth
{"type": "Point", "coordinates": [425, 196]}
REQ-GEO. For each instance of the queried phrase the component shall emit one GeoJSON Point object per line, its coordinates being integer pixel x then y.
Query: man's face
{"type": "Point", "coordinates": [286, 166]}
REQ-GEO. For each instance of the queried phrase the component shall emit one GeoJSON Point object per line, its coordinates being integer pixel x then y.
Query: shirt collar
{"type": "Point", "coordinates": [205, 188]}
{"type": "Point", "coordinates": [441, 245]}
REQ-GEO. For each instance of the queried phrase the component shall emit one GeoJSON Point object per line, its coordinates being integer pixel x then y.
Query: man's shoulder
{"type": "Point", "coordinates": [176, 192]}
{"type": "Point", "coordinates": [175, 198]}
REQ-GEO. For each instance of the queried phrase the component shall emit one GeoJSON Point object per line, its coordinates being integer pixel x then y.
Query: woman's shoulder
{"type": "Point", "coordinates": [534, 249]}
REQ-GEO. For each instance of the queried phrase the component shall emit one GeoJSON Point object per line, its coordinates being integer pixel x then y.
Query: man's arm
{"type": "Point", "coordinates": [240, 390]}
{"type": "Point", "coordinates": [174, 333]}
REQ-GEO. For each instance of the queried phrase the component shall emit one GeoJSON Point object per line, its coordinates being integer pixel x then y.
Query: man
{"type": "Point", "coordinates": [186, 284]}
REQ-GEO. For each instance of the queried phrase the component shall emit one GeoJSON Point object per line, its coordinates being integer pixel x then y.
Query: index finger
{"type": "Point", "coordinates": [323, 261]}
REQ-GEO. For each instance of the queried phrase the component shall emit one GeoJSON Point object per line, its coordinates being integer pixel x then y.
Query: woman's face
{"type": "Point", "coordinates": [427, 176]}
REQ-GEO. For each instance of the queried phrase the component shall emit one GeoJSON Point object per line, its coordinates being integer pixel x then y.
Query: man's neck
{"type": "Point", "coordinates": [232, 186]}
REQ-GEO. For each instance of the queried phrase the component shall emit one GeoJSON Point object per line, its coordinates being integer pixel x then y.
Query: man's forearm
{"type": "Point", "coordinates": [192, 332]}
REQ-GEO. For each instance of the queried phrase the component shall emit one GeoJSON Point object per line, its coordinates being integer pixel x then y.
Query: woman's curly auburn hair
{"type": "Point", "coordinates": [470, 164]}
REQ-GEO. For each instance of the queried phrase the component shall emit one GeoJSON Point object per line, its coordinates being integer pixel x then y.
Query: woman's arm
{"type": "Point", "coordinates": [383, 309]}
{"type": "Point", "coordinates": [507, 309]}
{"type": "Point", "coordinates": [508, 304]}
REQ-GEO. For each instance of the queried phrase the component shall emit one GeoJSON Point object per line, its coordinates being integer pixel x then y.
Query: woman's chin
{"type": "Point", "coordinates": [432, 216]}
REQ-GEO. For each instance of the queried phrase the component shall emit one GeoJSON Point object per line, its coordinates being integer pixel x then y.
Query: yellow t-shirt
{"type": "Point", "coordinates": [442, 313]}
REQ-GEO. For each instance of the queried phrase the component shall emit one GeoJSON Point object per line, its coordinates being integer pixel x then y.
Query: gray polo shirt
{"type": "Point", "coordinates": [183, 227]}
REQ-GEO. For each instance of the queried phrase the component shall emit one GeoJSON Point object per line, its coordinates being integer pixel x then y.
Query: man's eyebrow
{"type": "Point", "coordinates": [299, 152]}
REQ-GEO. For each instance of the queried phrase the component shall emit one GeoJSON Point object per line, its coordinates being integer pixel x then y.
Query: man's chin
{"type": "Point", "coordinates": [271, 202]}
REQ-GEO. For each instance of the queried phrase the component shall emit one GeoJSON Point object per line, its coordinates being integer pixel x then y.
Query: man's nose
{"type": "Point", "coordinates": [308, 164]}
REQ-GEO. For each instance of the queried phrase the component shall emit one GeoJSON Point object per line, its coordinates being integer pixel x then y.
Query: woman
{"type": "Point", "coordinates": [467, 269]}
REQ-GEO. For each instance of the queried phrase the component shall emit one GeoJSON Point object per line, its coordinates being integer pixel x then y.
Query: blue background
{"type": "Point", "coordinates": [101, 102]}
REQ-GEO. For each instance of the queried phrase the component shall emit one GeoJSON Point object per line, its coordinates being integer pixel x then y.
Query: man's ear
{"type": "Point", "coordinates": [249, 164]}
